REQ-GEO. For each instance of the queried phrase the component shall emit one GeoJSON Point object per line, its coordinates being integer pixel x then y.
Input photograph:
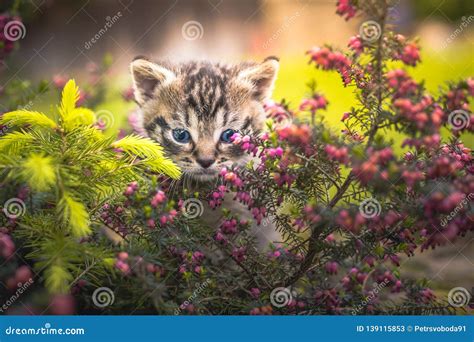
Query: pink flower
{"type": "Point", "coordinates": [328, 59]}
{"type": "Point", "coordinates": [163, 219]}
{"type": "Point", "coordinates": [7, 247]}
{"type": "Point", "coordinates": [59, 81]}
{"type": "Point", "coordinates": [150, 223]}
{"type": "Point", "coordinates": [255, 291]}
{"type": "Point", "coordinates": [62, 304]}
{"type": "Point", "coordinates": [470, 86]}
{"type": "Point", "coordinates": [276, 111]}
{"type": "Point", "coordinates": [401, 83]}
{"type": "Point", "coordinates": [314, 103]}
{"type": "Point", "coordinates": [123, 267]}
{"type": "Point", "coordinates": [330, 238]}
{"type": "Point", "coordinates": [410, 54]}
{"type": "Point", "coordinates": [332, 267]}
{"type": "Point", "coordinates": [135, 121]}
{"type": "Point", "coordinates": [356, 44]}
{"type": "Point", "coordinates": [128, 95]}
{"type": "Point", "coordinates": [338, 154]}
{"type": "Point", "coordinates": [346, 9]}
{"type": "Point", "coordinates": [23, 274]}
{"type": "Point", "coordinates": [129, 191]}
{"type": "Point", "coordinates": [159, 198]}
{"type": "Point", "coordinates": [239, 254]}
{"type": "Point", "coordinates": [122, 256]}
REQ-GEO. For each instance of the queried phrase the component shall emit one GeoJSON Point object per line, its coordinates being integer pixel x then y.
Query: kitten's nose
{"type": "Point", "coordinates": [205, 162]}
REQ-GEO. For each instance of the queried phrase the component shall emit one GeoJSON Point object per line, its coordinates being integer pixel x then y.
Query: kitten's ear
{"type": "Point", "coordinates": [147, 76]}
{"type": "Point", "coordinates": [262, 77]}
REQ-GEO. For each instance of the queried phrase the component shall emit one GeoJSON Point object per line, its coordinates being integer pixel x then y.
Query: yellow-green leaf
{"type": "Point", "coordinates": [15, 140]}
{"type": "Point", "coordinates": [39, 172]}
{"type": "Point", "coordinates": [139, 146]}
{"type": "Point", "coordinates": [165, 166]}
{"type": "Point", "coordinates": [75, 215]}
{"type": "Point", "coordinates": [70, 95]}
{"type": "Point", "coordinates": [57, 278]}
{"type": "Point", "coordinates": [78, 117]}
{"type": "Point", "coordinates": [27, 117]}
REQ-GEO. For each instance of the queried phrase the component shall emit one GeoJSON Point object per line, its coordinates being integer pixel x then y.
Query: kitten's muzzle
{"type": "Point", "coordinates": [205, 162]}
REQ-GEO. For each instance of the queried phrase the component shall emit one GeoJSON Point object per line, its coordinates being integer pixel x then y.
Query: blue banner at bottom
{"type": "Point", "coordinates": [237, 328]}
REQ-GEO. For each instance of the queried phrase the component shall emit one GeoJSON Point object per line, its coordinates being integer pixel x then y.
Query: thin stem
{"type": "Point", "coordinates": [312, 250]}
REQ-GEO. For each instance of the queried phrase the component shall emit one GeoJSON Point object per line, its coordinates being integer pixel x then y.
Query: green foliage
{"type": "Point", "coordinates": [70, 166]}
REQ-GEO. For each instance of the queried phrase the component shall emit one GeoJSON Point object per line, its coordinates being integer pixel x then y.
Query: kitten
{"type": "Point", "coordinates": [193, 109]}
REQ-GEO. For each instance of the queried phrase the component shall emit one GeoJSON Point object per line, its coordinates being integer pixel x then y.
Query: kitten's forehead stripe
{"type": "Point", "coordinates": [206, 86]}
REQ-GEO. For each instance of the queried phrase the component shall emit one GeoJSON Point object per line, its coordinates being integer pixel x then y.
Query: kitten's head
{"type": "Point", "coordinates": [193, 109]}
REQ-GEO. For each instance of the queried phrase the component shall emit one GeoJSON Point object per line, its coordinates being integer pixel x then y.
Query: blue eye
{"type": "Point", "coordinates": [181, 135]}
{"type": "Point", "coordinates": [227, 134]}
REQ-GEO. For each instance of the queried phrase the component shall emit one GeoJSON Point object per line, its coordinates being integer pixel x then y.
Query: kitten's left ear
{"type": "Point", "coordinates": [261, 77]}
{"type": "Point", "coordinates": [147, 77]}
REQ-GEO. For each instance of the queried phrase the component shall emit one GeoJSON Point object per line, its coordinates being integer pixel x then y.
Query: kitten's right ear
{"type": "Point", "coordinates": [147, 76]}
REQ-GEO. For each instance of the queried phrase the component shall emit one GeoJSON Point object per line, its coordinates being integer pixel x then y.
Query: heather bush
{"type": "Point", "coordinates": [101, 227]}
